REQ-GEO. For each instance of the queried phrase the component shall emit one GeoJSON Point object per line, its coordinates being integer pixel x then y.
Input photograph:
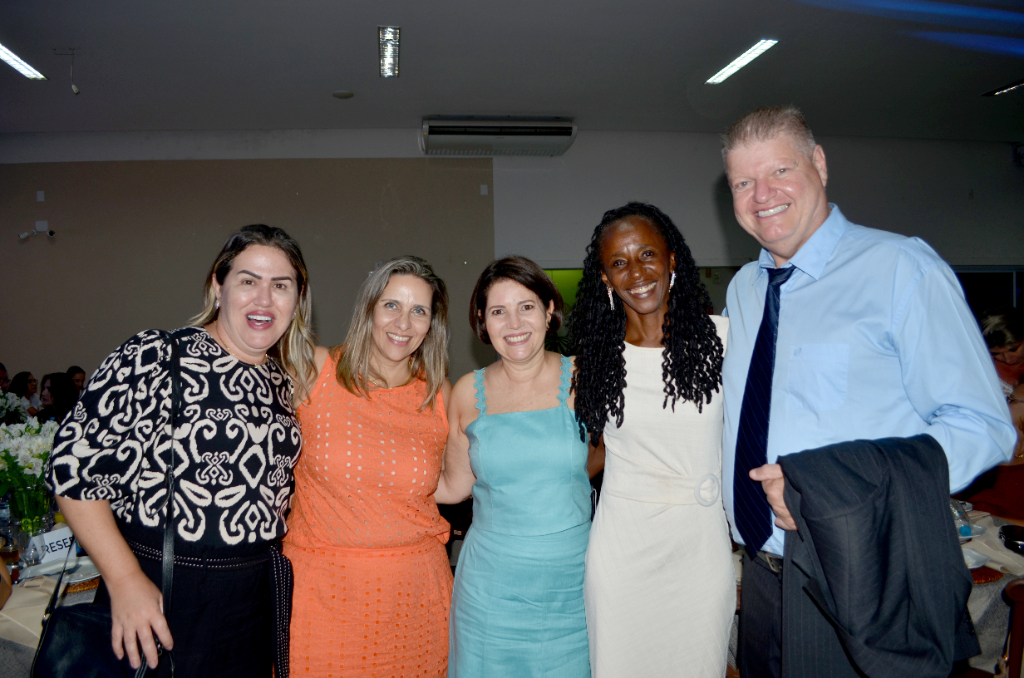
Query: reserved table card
{"type": "Point", "coordinates": [54, 544]}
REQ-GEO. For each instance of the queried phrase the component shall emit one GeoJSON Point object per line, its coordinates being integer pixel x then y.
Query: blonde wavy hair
{"type": "Point", "coordinates": [429, 362]}
{"type": "Point", "coordinates": [294, 350]}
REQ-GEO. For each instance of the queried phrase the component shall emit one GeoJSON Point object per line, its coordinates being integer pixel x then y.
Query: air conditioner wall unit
{"type": "Point", "coordinates": [496, 137]}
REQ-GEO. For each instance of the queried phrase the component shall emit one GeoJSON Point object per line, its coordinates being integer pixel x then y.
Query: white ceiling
{"type": "Point", "coordinates": [856, 67]}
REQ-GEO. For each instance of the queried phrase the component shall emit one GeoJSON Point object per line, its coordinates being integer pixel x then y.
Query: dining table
{"type": "Point", "coordinates": [21, 621]}
{"type": "Point", "coordinates": [21, 617]}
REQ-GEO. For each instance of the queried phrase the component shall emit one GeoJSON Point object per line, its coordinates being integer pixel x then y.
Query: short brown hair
{"type": "Point", "coordinates": [766, 123]}
{"type": "Point", "coordinates": [523, 271]}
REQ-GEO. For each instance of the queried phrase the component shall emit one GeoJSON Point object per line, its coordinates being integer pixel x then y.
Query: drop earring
{"type": "Point", "coordinates": [672, 280]}
{"type": "Point", "coordinates": [611, 299]}
{"type": "Point", "coordinates": [216, 303]}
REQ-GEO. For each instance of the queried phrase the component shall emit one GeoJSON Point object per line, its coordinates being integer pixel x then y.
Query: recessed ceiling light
{"type": "Point", "coordinates": [388, 36]}
{"type": "Point", "coordinates": [342, 94]}
{"type": "Point", "coordinates": [1004, 89]}
{"type": "Point", "coordinates": [17, 64]}
{"type": "Point", "coordinates": [742, 60]}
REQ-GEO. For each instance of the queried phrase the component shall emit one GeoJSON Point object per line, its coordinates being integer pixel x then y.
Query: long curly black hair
{"type": "Point", "coordinates": [692, 367]}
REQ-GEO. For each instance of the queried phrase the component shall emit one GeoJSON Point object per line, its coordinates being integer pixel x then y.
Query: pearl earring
{"type": "Point", "coordinates": [672, 280]}
{"type": "Point", "coordinates": [216, 304]}
{"type": "Point", "coordinates": [611, 299]}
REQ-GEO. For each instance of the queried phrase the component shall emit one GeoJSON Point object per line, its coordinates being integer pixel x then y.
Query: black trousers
{"type": "Point", "coordinates": [759, 654]}
{"type": "Point", "coordinates": [221, 620]}
{"type": "Point", "coordinates": [766, 650]}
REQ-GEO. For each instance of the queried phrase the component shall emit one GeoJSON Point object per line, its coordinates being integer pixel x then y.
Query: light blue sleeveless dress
{"type": "Point", "coordinates": [517, 608]}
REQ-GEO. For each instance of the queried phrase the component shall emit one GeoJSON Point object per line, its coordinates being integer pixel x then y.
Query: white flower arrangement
{"type": "Point", "coordinates": [11, 409]}
{"type": "Point", "coordinates": [24, 452]}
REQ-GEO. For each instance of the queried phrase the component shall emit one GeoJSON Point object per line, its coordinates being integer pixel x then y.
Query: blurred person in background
{"type": "Point", "coordinates": [1000, 491]}
{"type": "Point", "coordinates": [4, 381]}
{"type": "Point", "coordinates": [58, 397]}
{"type": "Point", "coordinates": [78, 376]}
{"type": "Point", "coordinates": [24, 386]}
{"type": "Point", "coordinates": [1004, 333]}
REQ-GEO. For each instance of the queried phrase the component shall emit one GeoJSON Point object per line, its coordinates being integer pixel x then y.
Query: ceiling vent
{"type": "Point", "coordinates": [473, 136]}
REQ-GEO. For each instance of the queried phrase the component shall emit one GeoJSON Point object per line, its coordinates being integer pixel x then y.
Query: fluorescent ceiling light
{"type": "Point", "coordinates": [1004, 89]}
{"type": "Point", "coordinates": [19, 65]}
{"type": "Point", "coordinates": [742, 60]}
{"type": "Point", "coordinates": [388, 50]}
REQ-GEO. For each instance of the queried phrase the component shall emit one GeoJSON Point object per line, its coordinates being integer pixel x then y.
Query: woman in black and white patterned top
{"type": "Point", "coordinates": [236, 440]}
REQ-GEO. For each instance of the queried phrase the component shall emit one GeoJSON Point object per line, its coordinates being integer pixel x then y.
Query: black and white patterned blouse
{"type": "Point", "coordinates": [235, 443]}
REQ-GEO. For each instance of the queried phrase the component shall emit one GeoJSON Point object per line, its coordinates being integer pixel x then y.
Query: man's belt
{"type": "Point", "coordinates": [773, 561]}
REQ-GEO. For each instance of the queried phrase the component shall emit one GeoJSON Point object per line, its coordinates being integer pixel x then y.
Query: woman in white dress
{"type": "Point", "coordinates": [660, 589]}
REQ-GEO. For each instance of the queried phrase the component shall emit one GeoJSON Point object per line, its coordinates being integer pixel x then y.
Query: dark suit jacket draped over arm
{"type": "Point", "coordinates": [874, 576]}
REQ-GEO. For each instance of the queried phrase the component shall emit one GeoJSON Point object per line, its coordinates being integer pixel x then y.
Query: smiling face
{"type": "Point", "coordinates": [516, 320]}
{"type": "Point", "coordinates": [637, 265]}
{"type": "Point", "coordinates": [257, 302]}
{"type": "Point", "coordinates": [401, 320]}
{"type": "Point", "coordinates": [778, 193]}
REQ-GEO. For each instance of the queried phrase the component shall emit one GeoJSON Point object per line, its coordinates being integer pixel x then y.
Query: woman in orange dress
{"type": "Point", "coordinates": [373, 583]}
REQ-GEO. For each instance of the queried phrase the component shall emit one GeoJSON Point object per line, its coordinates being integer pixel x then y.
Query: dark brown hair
{"type": "Point", "coordinates": [526, 273]}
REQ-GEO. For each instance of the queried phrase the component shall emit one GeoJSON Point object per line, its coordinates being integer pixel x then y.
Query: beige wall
{"type": "Point", "coordinates": [135, 239]}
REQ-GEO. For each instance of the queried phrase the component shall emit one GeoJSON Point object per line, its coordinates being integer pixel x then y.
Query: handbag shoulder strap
{"type": "Point", "coordinates": [168, 555]}
{"type": "Point", "coordinates": [56, 589]}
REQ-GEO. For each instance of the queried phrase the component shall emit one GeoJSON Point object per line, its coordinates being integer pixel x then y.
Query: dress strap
{"type": "Point", "coordinates": [563, 391]}
{"type": "Point", "coordinates": [481, 397]}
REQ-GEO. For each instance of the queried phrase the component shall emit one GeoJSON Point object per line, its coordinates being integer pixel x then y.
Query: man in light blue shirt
{"type": "Point", "coordinates": [874, 340]}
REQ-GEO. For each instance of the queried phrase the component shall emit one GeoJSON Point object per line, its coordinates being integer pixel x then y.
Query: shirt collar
{"type": "Point", "coordinates": [815, 253]}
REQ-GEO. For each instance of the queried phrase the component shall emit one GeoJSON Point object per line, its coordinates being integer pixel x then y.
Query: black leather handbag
{"type": "Point", "coordinates": [75, 640]}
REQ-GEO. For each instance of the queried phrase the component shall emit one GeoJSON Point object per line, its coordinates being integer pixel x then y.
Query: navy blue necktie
{"type": "Point", "coordinates": [753, 515]}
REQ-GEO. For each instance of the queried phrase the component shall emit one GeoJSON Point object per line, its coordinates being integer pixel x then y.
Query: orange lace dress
{"type": "Point", "coordinates": [373, 583]}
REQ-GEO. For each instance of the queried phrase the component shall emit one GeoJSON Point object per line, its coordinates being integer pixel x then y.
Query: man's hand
{"type": "Point", "coordinates": [771, 479]}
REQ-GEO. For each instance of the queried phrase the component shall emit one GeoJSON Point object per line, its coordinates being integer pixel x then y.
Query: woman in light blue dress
{"type": "Point", "coordinates": [517, 607]}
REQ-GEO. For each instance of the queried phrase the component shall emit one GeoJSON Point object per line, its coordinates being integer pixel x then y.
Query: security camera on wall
{"type": "Point", "coordinates": [42, 227]}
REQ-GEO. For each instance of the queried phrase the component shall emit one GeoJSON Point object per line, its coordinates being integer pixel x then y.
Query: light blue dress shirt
{"type": "Point", "coordinates": [875, 341]}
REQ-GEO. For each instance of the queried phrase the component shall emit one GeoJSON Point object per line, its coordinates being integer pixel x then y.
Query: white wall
{"type": "Point", "coordinates": [965, 199]}
{"type": "Point", "coordinates": [217, 145]}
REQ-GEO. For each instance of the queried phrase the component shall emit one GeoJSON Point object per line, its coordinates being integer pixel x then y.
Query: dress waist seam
{"type": "Point", "coordinates": [367, 551]}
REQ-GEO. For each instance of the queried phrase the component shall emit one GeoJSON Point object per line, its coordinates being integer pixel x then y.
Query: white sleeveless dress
{"type": "Point", "coordinates": [660, 588]}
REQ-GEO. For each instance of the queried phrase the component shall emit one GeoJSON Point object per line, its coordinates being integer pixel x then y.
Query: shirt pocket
{"type": "Point", "coordinates": [817, 376]}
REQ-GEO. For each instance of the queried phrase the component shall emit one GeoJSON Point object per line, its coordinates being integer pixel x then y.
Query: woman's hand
{"type": "Point", "coordinates": [136, 604]}
{"type": "Point", "coordinates": [136, 608]}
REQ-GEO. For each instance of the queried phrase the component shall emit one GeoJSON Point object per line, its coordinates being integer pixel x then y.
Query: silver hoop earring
{"type": "Point", "coordinates": [672, 280]}
{"type": "Point", "coordinates": [611, 299]}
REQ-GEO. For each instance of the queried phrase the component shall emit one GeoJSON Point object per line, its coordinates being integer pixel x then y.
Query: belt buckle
{"type": "Point", "coordinates": [773, 561]}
